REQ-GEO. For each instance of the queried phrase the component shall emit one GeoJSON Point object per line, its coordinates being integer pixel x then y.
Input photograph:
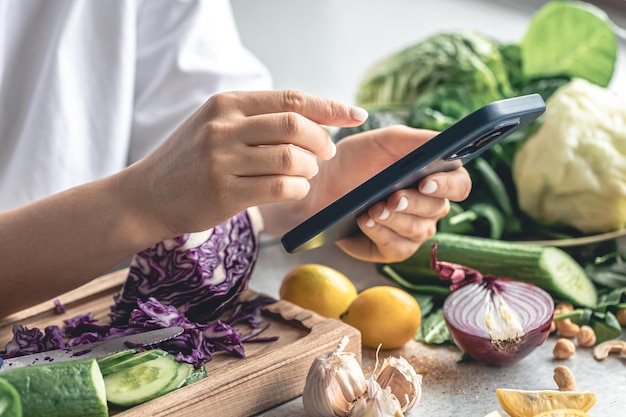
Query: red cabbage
{"type": "Point", "coordinates": [59, 308]}
{"type": "Point", "coordinates": [191, 281]}
{"type": "Point", "coordinates": [201, 274]}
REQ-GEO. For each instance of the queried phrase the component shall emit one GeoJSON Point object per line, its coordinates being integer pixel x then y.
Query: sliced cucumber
{"type": "Point", "coordinates": [184, 372]}
{"type": "Point", "coordinates": [109, 360]}
{"type": "Point", "coordinates": [197, 375]}
{"type": "Point", "coordinates": [10, 402]}
{"type": "Point", "coordinates": [62, 389]}
{"type": "Point", "coordinates": [130, 361]}
{"type": "Point", "coordinates": [140, 383]}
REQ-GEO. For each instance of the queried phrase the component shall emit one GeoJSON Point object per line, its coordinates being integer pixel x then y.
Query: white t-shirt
{"type": "Point", "coordinates": [87, 87]}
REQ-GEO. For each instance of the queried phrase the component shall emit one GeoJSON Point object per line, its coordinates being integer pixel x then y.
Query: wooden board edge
{"type": "Point", "coordinates": [94, 287]}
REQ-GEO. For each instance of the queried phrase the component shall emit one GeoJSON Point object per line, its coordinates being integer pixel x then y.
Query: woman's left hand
{"type": "Point", "coordinates": [393, 229]}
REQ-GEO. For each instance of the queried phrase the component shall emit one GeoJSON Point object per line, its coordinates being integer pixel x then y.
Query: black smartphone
{"type": "Point", "coordinates": [447, 151]}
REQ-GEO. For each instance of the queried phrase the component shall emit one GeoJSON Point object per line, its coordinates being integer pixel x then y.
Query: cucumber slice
{"type": "Point", "coordinates": [130, 361]}
{"type": "Point", "coordinates": [62, 389]}
{"type": "Point", "coordinates": [140, 383]}
{"type": "Point", "coordinates": [114, 358]}
{"type": "Point", "coordinates": [10, 402]}
{"type": "Point", "coordinates": [197, 375]}
{"type": "Point", "coordinates": [184, 372]}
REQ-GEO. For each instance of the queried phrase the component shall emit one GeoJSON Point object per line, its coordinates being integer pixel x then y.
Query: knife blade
{"type": "Point", "coordinates": [93, 350]}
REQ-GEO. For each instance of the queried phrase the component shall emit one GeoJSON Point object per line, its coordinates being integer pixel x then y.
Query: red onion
{"type": "Point", "coordinates": [496, 321]}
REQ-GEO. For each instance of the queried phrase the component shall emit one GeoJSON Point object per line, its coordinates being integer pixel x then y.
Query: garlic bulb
{"type": "Point", "coordinates": [400, 377]}
{"type": "Point", "coordinates": [336, 386]}
{"type": "Point", "coordinates": [335, 380]}
{"type": "Point", "coordinates": [378, 402]}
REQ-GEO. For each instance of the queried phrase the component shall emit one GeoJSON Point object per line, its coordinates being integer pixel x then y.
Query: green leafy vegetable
{"type": "Point", "coordinates": [571, 39]}
{"type": "Point", "coordinates": [432, 70]}
{"type": "Point", "coordinates": [434, 330]}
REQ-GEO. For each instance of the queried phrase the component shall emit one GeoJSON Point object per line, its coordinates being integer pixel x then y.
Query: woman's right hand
{"type": "Point", "coordinates": [240, 149]}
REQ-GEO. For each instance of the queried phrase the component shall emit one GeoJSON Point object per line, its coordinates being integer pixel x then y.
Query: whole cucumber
{"type": "Point", "coordinates": [62, 389]}
{"type": "Point", "coordinates": [547, 267]}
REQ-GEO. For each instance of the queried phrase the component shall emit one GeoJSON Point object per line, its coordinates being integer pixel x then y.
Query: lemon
{"type": "Point", "coordinates": [563, 413]}
{"type": "Point", "coordinates": [384, 315]}
{"type": "Point", "coordinates": [520, 403]}
{"type": "Point", "coordinates": [319, 288]}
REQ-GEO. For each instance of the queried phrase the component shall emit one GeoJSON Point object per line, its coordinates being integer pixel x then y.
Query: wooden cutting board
{"type": "Point", "coordinates": [272, 373]}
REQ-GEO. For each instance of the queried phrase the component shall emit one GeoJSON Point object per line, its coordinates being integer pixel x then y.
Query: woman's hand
{"type": "Point", "coordinates": [239, 150]}
{"type": "Point", "coordinates": [392, 230]}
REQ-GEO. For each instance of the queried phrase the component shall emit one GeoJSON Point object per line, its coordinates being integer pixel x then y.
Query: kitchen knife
{"type": "Point", "coordinates": [93, 350]}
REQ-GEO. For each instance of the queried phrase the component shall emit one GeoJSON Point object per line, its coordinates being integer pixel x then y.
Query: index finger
{"type": "Point", "coordinates": [318, 109]}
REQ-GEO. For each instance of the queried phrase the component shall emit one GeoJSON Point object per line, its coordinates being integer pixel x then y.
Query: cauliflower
{"type": "Point", "coordinates": [572, 171]}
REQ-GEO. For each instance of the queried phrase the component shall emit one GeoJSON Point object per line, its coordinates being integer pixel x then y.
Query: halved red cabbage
{"type": "Point", "coordinates": [189, 281]}
{"type": "Point", "coordinates": [200, 274]}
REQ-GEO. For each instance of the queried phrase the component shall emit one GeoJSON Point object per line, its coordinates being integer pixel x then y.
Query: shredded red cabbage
{"type": "Point", "coordinates": [193, 281]}
{"type": "Point", "coordinates": [59, 308]}
{"type": "Point", "coordinates": [200, 274]}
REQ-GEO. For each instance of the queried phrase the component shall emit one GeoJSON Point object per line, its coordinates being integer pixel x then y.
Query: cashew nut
{"type": "Point", "coordinates": [586, 337]}
{"type": "Point", "coordinates": [567, 328]}
{"type": "Point", "coordinates": [563, 307]}
{"type": "Point", "coordinates": [563, 349]}
{"type": "Point", "coordinates": [564, 378]}
{"type": "Point", "coordinates": [604, 349]}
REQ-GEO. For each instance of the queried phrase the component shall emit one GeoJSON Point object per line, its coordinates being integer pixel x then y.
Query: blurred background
{"type": "Point", "coordinates": [324, 47]}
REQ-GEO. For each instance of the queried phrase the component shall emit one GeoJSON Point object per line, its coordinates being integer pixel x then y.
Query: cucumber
{"type": "Point", "coordinates": [10, 402]}
{"type": "Point", "coordinates": [106, 361]}
{"type": "Point", "coordinates": [142, 382]}
{"type": "Point", "coordinates": [184, 372]}
{"type": "Point", "coordinates": [129, 361]}
{"type": "Point", "coordinates": [63, 389]}
{"type": "Point", "coordinates": [547, 267]}
{"type": "Point", "coordinates": [197, 375]}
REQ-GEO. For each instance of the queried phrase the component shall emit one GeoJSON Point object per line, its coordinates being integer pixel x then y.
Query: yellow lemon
{"type": "Point", "coordinates": [384, 315]}
{"type": "Point", "coordinates": [319, 288]}
{"type": "Point", "coordinates": [521, 403]}
{"type": "Point", "coordinates": [563, 413]}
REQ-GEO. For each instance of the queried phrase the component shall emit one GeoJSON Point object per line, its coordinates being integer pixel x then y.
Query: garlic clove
{"type": "Point", "coordinates": [400, 377]}
{"type": "Point", "coordinates": [378, 402]}
{"type": "Point", "coordinates": [335, 380]}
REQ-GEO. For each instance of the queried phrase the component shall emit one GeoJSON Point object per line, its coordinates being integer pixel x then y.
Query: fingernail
{"type": "Point", "coordinates": [403, 204]}
{"type": "Point", "coordinates": [370, 223]}
{"type": "Point", "coordinates": [358, 113]}
{"type": "Point", "coordinates": [333, 150]}
{"type": "Point", "coordinates": [385, 214]}
{"type": "Point", "coordinates": [430, 187]}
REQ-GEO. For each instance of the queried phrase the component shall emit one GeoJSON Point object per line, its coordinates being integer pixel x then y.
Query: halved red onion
{"type": "Point", "coordinates": [498, 321]}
